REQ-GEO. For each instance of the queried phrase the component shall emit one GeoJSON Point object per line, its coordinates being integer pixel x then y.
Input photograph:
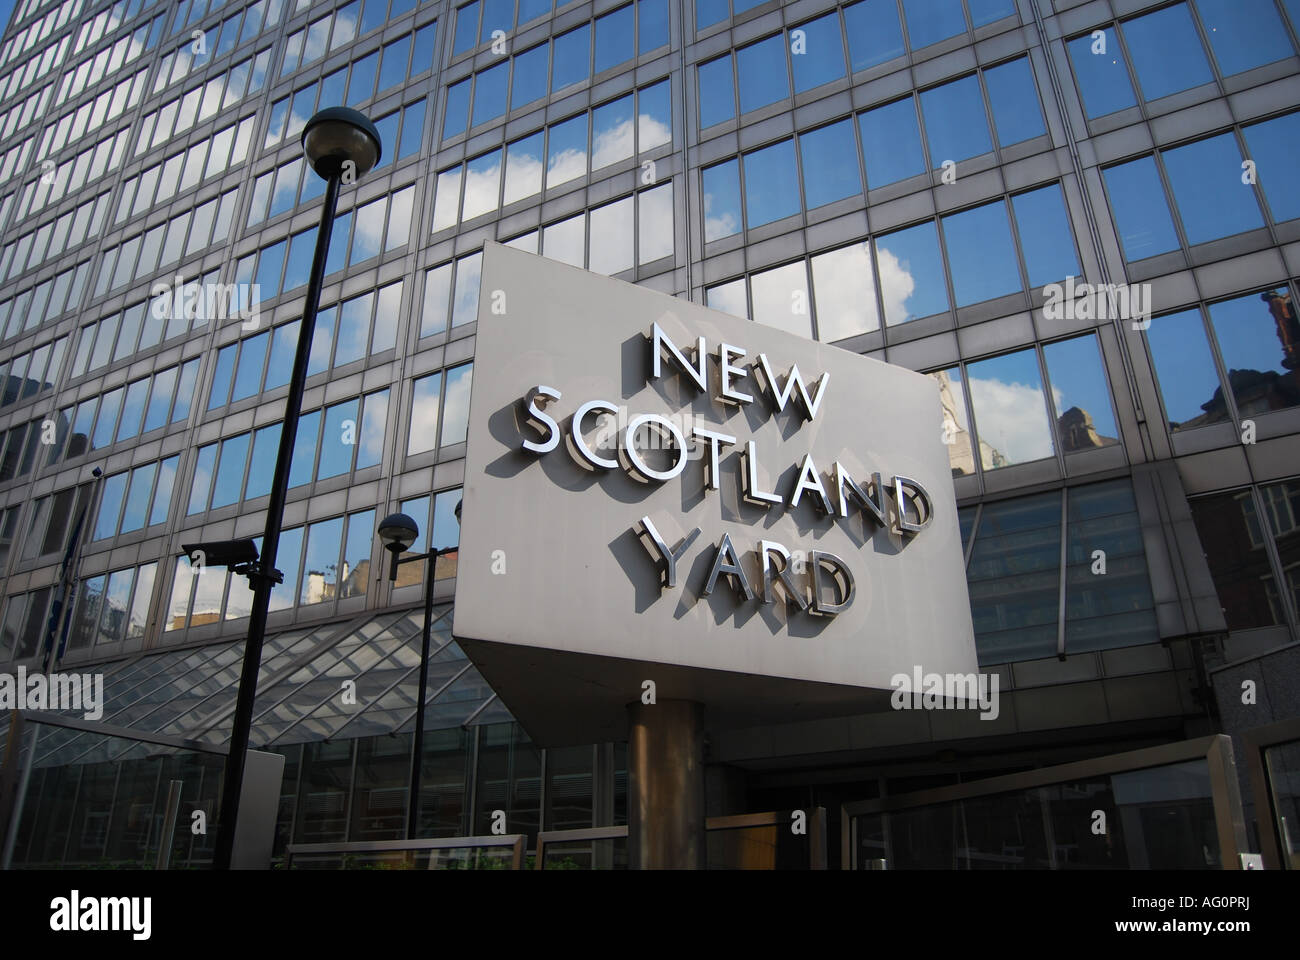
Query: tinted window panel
{"type": "Point", "coordinates": [1083, 409]}
{"type": "Point", "coordinates": [1259, 340]}
{"type": "Point", "coordinates": [1243, 42]}
{"type": "Point", "coordinates": [572, 56]}
{"type": "Point", "coordinates": [954, 121]}
{"type": "Point", "coordinates": [721, 200]}
{"type": "Point", "coordinates": [929, 21]}
{"type": "Point", "coordinates": [1206, 180]}
{"type": "Point", "coordinates": [1045, 235]}
{"type": "Point", "coordinates": [875, 35]}
{"type": "Point", "coordinates": [781, 298]}
{"type": "Point", "coordinates": [717, 95]}
{"type": "Point", "coordinates": [614, 38]}
{"type": "Point", "coordinates": [1014, 100]}
{"type": "Point", "coordinates": [770, 179]}
{"type": "Point", "coordinates": [1167, 54]}
{"type": "Point", "coordinates": [844, 292]}
{"type": "Point", "coordinates": [490, 93]}
{"type": "Point", "coordinates": [1137, 202]}
{"type": "Point", "coordinates": [1189, 384]}
{"type": "Point", "coordinates": [817, 57]}
{"type": "Point", "coordinates": [891, 143]}
{"type": "Point", "coordinates": [830, 164]}
{"type": "Point", "coordinates": [912, 283]}
{"type": "Point", "coordinates": [529, 80]}
{"type": "Point", "coordinates": [981, 256]}
{"type": "Point", "coordinates": [1010, 410]}
{"type": "Point", "coordinates": [762, 75]}
{"type": "Point", "coordinates": [1274, 145]}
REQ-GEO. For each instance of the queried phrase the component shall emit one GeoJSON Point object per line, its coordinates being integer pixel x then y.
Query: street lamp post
{"type": "Point", "coordinates": [397, 531]}
{"type": "Point", "coordinates": [341, 145]}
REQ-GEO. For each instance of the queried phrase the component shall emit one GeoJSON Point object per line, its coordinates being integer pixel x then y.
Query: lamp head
{"type": "Point", "coordinates": [397, 532]}
{"type": "Point", "coordinates": [337, 135]}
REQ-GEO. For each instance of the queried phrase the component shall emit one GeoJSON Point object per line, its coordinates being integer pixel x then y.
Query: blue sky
{"type": "Point", "coordinates": [6, 11]}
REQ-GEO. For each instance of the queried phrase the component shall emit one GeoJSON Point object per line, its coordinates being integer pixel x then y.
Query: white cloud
{"type": "Point", "coordinates": [1011, 418]}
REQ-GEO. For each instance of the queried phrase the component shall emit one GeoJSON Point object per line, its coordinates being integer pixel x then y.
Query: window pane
{"type": "Point", "coordinates": [929, 21]}
{"type": "Point", "coordinates": [288, 557]}
{"type": "Point", "coordinates": [338, 440]}
{"type": "Point", "coordinates": [655, 223]}
{"type": "Point", "coordinates": [1273, 145]}
{"type": "Point", "coordinates": [565, 241]}
{"type": "Point", "coordinates": [612, 133]}
{"type": "Point", "coordinates": [455, 416]}
{"type": "Point", "coordinates": [230, 471]}
{"type": "Point", "coordinates": [110, 506]}
{"type": "Point", "coordinates": [1014, 579]}
{"type": "Point", "coordinates": [1206, 179]}
{"type": "Point", "coordinates": [248, 375]}
{"type": "Point", "coordinates": [721, 200]}
{"type": "Point", "coordinates": [817, 57]}
{"type": "Point", "coordinates": [770, 179]}
{"type": "Point", "coordinates": [162, 497]}
{"type": "Point", "coordinates": [464, 304]}
{"type": "Point", "coordinates": [845, 292]}
{"type": "Point", "coordinates": [304, 449]}
{"type": "Point", "coordinates": [424, 414]}
{"type": "Point", "coordinates": [1045, 235]}
{"type": "Point", "coordinates": [891, 143]}
{"type": "Point", "coordinates": [1243, 42]}
{"type": "Point", "coordinates": [611, 237]}
{"type": "Point", "coordinates": [956, 428]}
{"type": "Point", "coordinates": [954, 121]}
{"type": "Point", "coordinates": [437, 293]}
{"type": "Point", "coordinates": [132, 409]}
{"type": "Point", "coordinates": [1010, 412]}
{"type": "Point", "coordinates": [320, 565]}
{"type": "Point", "coordinates": [709, 12]}
{"type": "Point", "coordinates": [1166, 52]}
{"type": "Point", "coordinates": [202, 479]}
{"type": "Point", "coordinates": [911, 273]}
{"type": "Point", "coordinates": [466, 28]}
{"type": "Point", "coordinates": [781, 298]}
{"type": "Point", "coordinates": [981, 256]}
{"type": "Point", "coordinates": [529, 80]}
{"type": "Point", "coordinates": [109, 406]}
{"type": "Point", "coordinates": [1259, 340]}
{"type": "Point", "coordinates": [572, 55]}
{"type": "Point", "coordinates": [524, 165]}
{"type": "Point", "coordinates": [1233, 543]}
{"type": "Point", "coordinates": [652, 24]}
{"type": "Point", "coordinates": [482, 185]}
{"type": "Point", "coordinates": [728, 298]}
{"type": "Point", "coordinates": [284, 344]}
{"type": "Point", "coordinates": [1282, 508]}
{"type": "Point", "coordinates": [987, 11]}
{"type": "Point", "coordinates": [446, 199]}
{"type": "Point", "coordinates": [762, 74]}
{"type": "Point", "coordinates": [567, 157]}
{"type": "Point", "coordinates": [137, 497]}
{"type": "Point", "coordinates": [717, 96]}
{"type": "Point", "coordinates": [614, 38]}
{"type": "Point", "coordinates": [1115, 610]}
{"type": "Point", "coordinates": [490, 93]}
{"type": "Point", "coordinates": [654, 115]}
{"type": "Point", "coordinates": [1103, 77]}
{"type": "Point", "coordinates": [830, 164]}
{"type": "Point", "coordinates": [356, 574]}
{"type": "Point", "coordinates": [1014, 100]}
{"type": "Point", "coordinates": [457, 113]}
{"type": "Point", "coordinates": [446, 532]}
{"type": "Point", "coordinates": [266, 446]}
{"type": "Point", "coordinates": [369, 235]}
{"type": "Point", "coordinates": [1185, 371]}
{"type": "Point", "coordinates": [1137, 202]}
{"type": "Point", "coordinates": [138, 618]}
{"type": "Point", "coordinates": [374, 419]}
{"type": "Point", "coordinates": [875, 34]}
{"type": "Point", "coordinates": [1080, 393]}
{"type": "Point", "coordinates": [497, 15]}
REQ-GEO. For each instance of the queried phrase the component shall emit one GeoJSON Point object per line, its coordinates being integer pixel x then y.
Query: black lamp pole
{"type": "Point", "coordinates": [339, 133]}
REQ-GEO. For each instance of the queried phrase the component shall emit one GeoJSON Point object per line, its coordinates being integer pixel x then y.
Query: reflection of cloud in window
{"type": "Point", "coordinates": [375, 416]}
{"type": "Point", "coordinates": [424, 415]}
{"type": "Point", "coordinates": [566, 165]}
{"type": "Point", "coordinates": [1011, 418]}
{"type": "Point", "coordinates": [481, 188]}
{"type": "Point", "coordinates": [316, 37]}
{"type": "Point", "coordinates": [718, 225]}
{"type": "Point", "coordinates": [846, 302]}
{"type": "Point", "coordinates": [652, 131]}
{"type": "Point", "coordinates": [896, 285]}
{"type": "Point", "coordinates": [456, 409]}
{"type": "Point", "coordinates": [610, 146]}
{"type": "Point", "coordinates": [523, 175]}
{"type": "Point", "coordinates": [370, 229]}
{"type": "Point", "coordinates": [656, 226]}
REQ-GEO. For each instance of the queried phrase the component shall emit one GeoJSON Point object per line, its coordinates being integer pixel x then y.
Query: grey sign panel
{"type": "Point", "coordinates": [789, 583]}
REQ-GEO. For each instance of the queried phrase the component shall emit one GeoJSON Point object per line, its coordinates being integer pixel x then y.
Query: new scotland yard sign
{"type": "Point", "coordinates": [658, 491]}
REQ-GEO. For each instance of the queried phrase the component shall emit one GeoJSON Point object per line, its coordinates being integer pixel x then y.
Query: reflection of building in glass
{"type": "Point", "coordinates": [956, 435]}
{"type": "Point", "coordinates": [1078, 433]}
{"type": "Point", "coordinates": [1288, 330]}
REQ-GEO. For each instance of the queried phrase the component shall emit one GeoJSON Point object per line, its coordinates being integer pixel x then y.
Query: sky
{"type": "Point", "coordinates": [6, 11]}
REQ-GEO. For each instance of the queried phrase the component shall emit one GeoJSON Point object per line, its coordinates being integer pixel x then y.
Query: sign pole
{"type": "Point", "coordinates": [666, 786]}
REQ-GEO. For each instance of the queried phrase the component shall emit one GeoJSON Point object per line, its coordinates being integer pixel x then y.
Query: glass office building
{"type": "Point", "coordinates": [913, 180]}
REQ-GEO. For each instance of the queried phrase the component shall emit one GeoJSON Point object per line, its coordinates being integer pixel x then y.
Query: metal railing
{"type": "Point", "coordinates": [405, 854]}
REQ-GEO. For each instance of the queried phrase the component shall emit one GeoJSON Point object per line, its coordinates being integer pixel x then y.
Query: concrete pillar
{"type": "Point", "coordinates": [666, 786]}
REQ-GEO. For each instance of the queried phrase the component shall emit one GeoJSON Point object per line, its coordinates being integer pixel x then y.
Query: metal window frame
{"type": "Point", "coordinates": [1215, 749]}
{"type": "Point", "coordinates": [1256, 742]}
{"type": "Point", "coordinates": [513, 840]}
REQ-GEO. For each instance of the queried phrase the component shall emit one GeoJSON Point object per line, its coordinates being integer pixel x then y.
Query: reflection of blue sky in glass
{"type": "Point", "coordinates": [1014, 100]}
{"type": "Point", "coordinates": [457, 112]}
{"type": "Point", "coordinates": [654, 115]}
{"type": "Point", "coordinates": [1247, 332]}
{"type": "Point", "coordinates": [929, 21]}
{"type": "Point", "coordinates": [1274, 146]}
{"type": "Point", "coordinates": [614, 38]}
{"type": "Point", "coordinates": [986, 11]}
{"type": "Point", "coordinates": [728, 297]}
{"type": "Point", "coordinates": [490, 93]}
{"type": "Point", "coordinates": [709, 12]}
{"type": "Point", "coordinates": [875, 35]}
{"type": "Point", "coordinates": [1206, 180]}
{"type": "Point", "coordinates": [1137, 201]}
{"type": "Point", "coordinates": [891, 143]}
{"type": "Point", "coordinates": [529, 80]}
{"type": "Point", "coordinates": [823, 58]}
{"type": "Point", "coordinates": [1075, 372]}
{"type": "Point", "coordinates": [771, 184]}
{"type": "Point", "coordinates": [1239, 40]}
{"type": "Point", "coordinates": [955, 123]}
{"type": "Point", "coordinates": [760, 68]}
{"type": "Point", "coordinates": [981, 255]}
{"type": "Point", "coordinates": [567, 157]}
{"type": "Point", "coordinates": [572, 55]}
{"type": "Point", "coordinates": [1010, 412]}
{"type": "Point", "coordinates": [911, 273]}
{"type": "Point", "coordinates": [652, 24]}
{"type": "Point", "coordinates": [1103, 77]}
{"type": "Point", "coordinates": [1045, 235]}
{"type": "Point", "coordinates": [1167, 54]}
{"type": "Point", "coordinates": [524, 164]}
{"type": "Point", "coordinates": [830, 164]}
{"type": "Point", "coordinates": [1184, 368]}
{"type": "Point", "coordinates": [717, 96]}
